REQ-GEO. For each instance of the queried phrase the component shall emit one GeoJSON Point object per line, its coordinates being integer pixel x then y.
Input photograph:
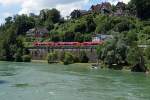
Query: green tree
{"type": "Point", "coordinates": [23, 23]}
{"type": "Point", "coordinates": [69, 59]}
{"type": "Point", "coordinates": [147, 53]}
{"type": "Point", "coordinates": [50, 16]}
{"type": "Point", "coordinates": [75, 14]}
{"type": "Point", "coordinates": [52, 57]}
{"type": "Point", "coordinates": [69, 37]}
{"type": "Point", "coordinates": [142, 7]}
{"type": "Point", "coordinates": [26, 58]}
{"type": "Point", "coordinates": [113, 52]}
{"type": "Point", "coordinates": [90, 24]}
{"type": "Point", "coordinates": [10, 44]}
{"type": "Point", "coordinates": [18, 55]}
{"type": "Point", "coordinates": [136, 59]}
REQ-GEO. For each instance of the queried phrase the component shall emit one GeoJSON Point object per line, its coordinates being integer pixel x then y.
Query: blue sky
{"type": "Point", "coordinates": [12, 7]}
{"type": "Point", "coordinates": [8, 11]}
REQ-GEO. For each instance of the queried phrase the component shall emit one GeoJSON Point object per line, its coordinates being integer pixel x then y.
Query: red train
{"type": "Point", "coordinates": [54, 44]}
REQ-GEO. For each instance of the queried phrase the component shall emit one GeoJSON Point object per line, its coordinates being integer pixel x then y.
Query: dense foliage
{"type": "Point", "coordinates": [142, 7]}
{"type": "Point", "coordinates": [52, 57]}
{"type": "Point", "coordinates": [67, 57]}
{"type": "Point", "coordinates": [26, 58]}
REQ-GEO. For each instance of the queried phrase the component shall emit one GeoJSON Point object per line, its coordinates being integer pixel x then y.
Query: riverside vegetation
{"type": "Point", "coordinates": [123, 50]}
{"type": "Point", "coordinates": [67, 58]}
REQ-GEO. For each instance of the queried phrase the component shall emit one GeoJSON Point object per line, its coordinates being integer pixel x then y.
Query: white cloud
{"type": "Point", "coordinates": [34, 6]}
{"type": "Point", "coordinates": [116, 1]}
{"type": "Point", "coordinates": [65, 6]}
{"type": "Point", "coordinates": [125, 1]}
{"type": "Point", "coordinates": [10, 2]}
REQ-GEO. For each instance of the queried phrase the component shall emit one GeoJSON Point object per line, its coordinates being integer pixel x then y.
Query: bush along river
{"type": "Point", "coordinates": [31, 81]}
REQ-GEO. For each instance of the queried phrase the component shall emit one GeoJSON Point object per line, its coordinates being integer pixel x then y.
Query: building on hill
{"type": "Point", "coordinates": [101, 37]}
{"type": "Point", "coordinates": [101, 8]}
{"type": "Point", "coordinates": [121, 9]}
{"type": "Point", "coordinates": [121, 5]}
{"type": "Point", "coordinates": [107, 8]}
{"type": "Point", "coordinates": [78, 13]}
{"type": "Point", "coordinates": [37, 32]}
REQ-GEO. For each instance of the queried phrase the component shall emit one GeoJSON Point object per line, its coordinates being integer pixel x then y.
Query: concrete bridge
{"type": "Point", "coordinates": [40, 53]}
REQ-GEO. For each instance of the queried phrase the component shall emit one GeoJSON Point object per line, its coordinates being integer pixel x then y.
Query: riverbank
{"type": "Point", "coordinates": [45, 61]}
{"type": "Point", "coordinates": [88, 65]}
{"type": "Point", "coordinates": [39, 61]}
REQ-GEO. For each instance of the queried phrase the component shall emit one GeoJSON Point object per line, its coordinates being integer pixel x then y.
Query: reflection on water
{"type": "Point", "coordinates": [2, 82]}
{"type": "Point", "coordinates": [7, 70]}
{"type": "Point", "coordinates": [27, 81]}
{"type": "Point", "coordinates": [22, 85]}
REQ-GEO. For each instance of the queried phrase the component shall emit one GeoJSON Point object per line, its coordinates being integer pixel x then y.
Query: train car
{"type": "Point", "coordinates": [91, 43]}
{"type": "Point", "coordinates": [67, 44]}
{"type": "Point", "coordinates": [36, 44]}
{"type": "Point", "coordinates": [43, 44]}
{"type": "Point", "coordinates": [49, 44]}
{"type": "Point", "coordinates": [57, 44]}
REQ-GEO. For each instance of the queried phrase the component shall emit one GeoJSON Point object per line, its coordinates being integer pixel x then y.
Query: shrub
{"type": "Point", "coordinates": [62, 56]}
{"type": "Point", "coordinates": [18, 57]}
{"type": "Point", "coordinates": [69, 59]}
{"type": "Point", "coordinates": [52, 57]}
{"type": "Point", "coordinates": [26, 58]}
{"type": "Point", "coordinates": [76, 59]}
{"type": "Point", "coordinates": [83, 57]}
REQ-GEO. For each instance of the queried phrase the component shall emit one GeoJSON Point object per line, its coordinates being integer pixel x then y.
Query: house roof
{"type": "Point", "coordinates": [103, 36]}
{"type": "Point", "coordinates": [104, 5]}
{"type": "Point", "coordinates": [37, 30]}
{"type": "Point", "coordinates": [121, 5]}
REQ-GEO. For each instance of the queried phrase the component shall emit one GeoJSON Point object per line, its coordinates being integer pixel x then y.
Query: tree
{"type": "Point", "coordinates": [43, 15]}
{"type": "Point", "coordinates": [62, 56]}
{"type": "Point", "coordinates": [90, 24]}
{"type": "Point", "coordinates": [147, 53]}
{"type": "Point", "coordinates": [53, 15]}
{"type": "Point", "coordinates": [8, 20]}
{"type": "Point", "coordinates": [50, 26]}
{"type": "Point", "coordinates": [69, 59]}
{"type": "Point", "coordinates": [146, 30]}
{"type": "Point", "coordinates": [124, 25]}
{"type": "Point", "coordinates": [26, 58]}
{"type": "Point", "coordinates": [136, 59]}
{"type": "Point", "coordinates": [18, 55]}
{"type": "Point", "coordinates": [113, 52]}
{"type": "Point", "coordinates": [52, 57]}
{"type": "Point", "coordinates": [69, 37]}
{"type": "Point", "coordinates": [75, 14]}
{"type": "Point", "coordinates": [50, 16]}
{"type": "Point", "coordinates": [10, 45]}
{"type": "Point", "coordinates": [23, 23]}
{"type": "Point", "coordinates": [132, 9]}
{"type": "Point", "coordinates": [80, 27]}
{"type": "Point", "coordinates": [142, 7]}
{"type": "Point", "coordinates": [79, 37]}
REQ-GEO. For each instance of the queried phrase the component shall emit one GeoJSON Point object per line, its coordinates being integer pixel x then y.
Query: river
{"type": "Point", "coordinates": [32, 81]}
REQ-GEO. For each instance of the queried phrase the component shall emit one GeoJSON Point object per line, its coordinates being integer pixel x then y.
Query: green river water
{"type": "Point", "coordinates": [31, 81]}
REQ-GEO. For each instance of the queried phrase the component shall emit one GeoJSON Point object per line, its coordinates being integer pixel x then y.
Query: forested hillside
{"type": "Point", "coordinates": [128, 23]}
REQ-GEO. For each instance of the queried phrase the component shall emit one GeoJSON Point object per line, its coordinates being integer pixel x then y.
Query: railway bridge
{"type": "Point", "coordinates": [40, 52]}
